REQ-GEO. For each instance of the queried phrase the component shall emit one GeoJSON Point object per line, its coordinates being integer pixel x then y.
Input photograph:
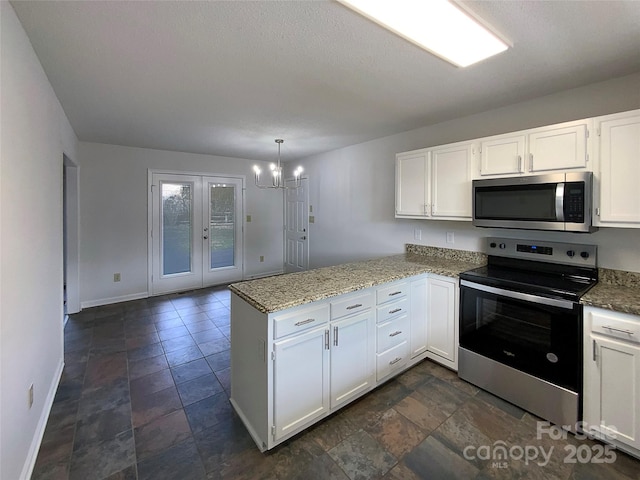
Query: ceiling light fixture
{"type": "Point", "coordinates": [439, 26]}
{"type": "Point", "coordinates": [276, 173]}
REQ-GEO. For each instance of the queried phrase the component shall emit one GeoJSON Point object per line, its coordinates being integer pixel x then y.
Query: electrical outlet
{"type": "Point", "coordinates": [450, 237]}
{"type": "Point", "coordinates": [417, 234]}
{"type": "Point", "coordinates": [30, 393]}
{"type": "Point", "coordinates": [248, 218]}
{"type": "Point", "coordinates": [312, 219]}
{"type": "Point", "coordinates": [116, 277]}
{"type": "Point", "coordinates": [262, 258]}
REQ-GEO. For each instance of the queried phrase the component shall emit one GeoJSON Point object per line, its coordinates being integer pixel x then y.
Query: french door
{"type": "Point", "coordinates": [196, 231]}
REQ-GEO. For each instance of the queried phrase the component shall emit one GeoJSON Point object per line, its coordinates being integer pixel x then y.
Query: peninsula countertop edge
{"type": "Point", "coordinates": [280, 292]}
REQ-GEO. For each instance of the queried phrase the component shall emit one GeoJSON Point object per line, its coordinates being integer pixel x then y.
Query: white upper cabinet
{"type": "Point", "coordinates": [412, 184]}
{"type": "Point", "coordinates": [451, 181]}
{"type": "Point", "coordinates": [617, 175]}
{"type": "Point", "coordinates": [559, 147]}
{"type": "Point", "coordinates": [564, 146]}
{"type": "Point", "coordinates": [435, 182]}
{"type": "Point", "coordinates": [502, 155]}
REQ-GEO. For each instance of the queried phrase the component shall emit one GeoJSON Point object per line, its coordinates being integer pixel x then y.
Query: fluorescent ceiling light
{"type": "Point", "coordinates": [438, 26]}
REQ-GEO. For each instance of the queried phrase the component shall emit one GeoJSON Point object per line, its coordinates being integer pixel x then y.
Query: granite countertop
{"type": "Point", "coordinates": [616, 290]}
{"type": "Point", "coordinates": [280, 292]}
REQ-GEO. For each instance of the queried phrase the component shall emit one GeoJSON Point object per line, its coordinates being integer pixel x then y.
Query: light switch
{"type": "Point", "coordinates": [248, 218]}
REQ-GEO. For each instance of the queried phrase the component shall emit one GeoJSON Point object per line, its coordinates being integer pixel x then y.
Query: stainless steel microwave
{"type": "Point", "coordinates": [559, 202]}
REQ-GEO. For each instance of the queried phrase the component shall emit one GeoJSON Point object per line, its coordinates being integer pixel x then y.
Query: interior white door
{"type": "Point", "coordinates": [196, 234]}
{"type": "Point", "coordinates": [296, 254]}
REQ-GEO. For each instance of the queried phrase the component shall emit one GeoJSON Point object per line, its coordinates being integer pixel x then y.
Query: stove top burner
{"type": "Point", "coordinates": [551, 285]}
{"type": "Point", "coordinates": [518, 265]}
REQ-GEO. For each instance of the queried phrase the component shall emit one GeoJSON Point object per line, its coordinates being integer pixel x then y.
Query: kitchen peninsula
{"type": "Point", "coordinates": [305, 344]}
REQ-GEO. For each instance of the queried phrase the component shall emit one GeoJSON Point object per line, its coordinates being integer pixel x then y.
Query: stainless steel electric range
{"type": "Point", "coordinates": [521, 325]}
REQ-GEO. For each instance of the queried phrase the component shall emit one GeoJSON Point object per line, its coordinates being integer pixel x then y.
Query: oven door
{"type": "Point", "coordinates": [537, 335]}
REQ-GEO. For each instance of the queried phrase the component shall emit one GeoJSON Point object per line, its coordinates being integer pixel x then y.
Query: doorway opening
{"type": "Point", "coordinates": [70, 248]}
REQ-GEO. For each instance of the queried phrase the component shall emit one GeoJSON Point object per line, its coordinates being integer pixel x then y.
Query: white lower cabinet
{"type": "Point", "coordinates": [442, 320]}
{"type": "Point", "coordinates": [419, 306]}
{"type": "Point", "coordinates": [291, 368]}
{"type": "Point", "coordinates": [352, 351]}
{"type": "Point", "coordinates": [300, 381]}
{"type": "Point", "coordinates": [392, 332]}
{"type": "Point", "coordinates": [612, 377]}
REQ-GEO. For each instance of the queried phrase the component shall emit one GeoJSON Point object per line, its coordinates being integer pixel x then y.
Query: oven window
{"type": "Point", "coordinates": [509, 323]}
{"type": "Point", "coordinates": [538, 339]}
{"type": "Point", "coordinates": [516, 202]}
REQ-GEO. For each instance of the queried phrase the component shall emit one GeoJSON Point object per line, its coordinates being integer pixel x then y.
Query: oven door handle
{"type": "Point", "coordinates": [527, 297]}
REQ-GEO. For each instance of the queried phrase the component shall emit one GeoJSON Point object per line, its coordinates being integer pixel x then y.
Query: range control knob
{"type": "Point", "coordinates": [571, 253]}
{"type": "Point", "coordinates": [492, 244]}
{"type": "Point", "coordinates": [584, 255]}
{"type": "Point", "coordinates": [503, 246]}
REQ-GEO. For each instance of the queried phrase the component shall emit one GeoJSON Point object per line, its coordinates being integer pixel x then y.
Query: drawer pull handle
{"type": "Point", "coordinates": [335, 336]}
{"type": "Point", "coordinates": [395, 311]}
{"type": "Point", "coordinates": [628, 332]}
{"type": "Point", "coordinates": [397, 332]}
{"type": "Point", "coordinates": [395, 293]}
{"type": "Point", "coordinates": [304, 322]}
{"type": "Point", "coordinates": [351, 307]}
{"type": "Point", "coordinates": [395, 360]}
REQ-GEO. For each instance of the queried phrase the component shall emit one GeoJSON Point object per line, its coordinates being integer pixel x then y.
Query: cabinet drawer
{"type": "Point", "coordinates": [392, 360]}
{"type": "Point", "coordinates": [624, 327]}
{"type": "Point", "coordinates": [299, 321]}
{"type": "Point", "coordinates": [392, 292]}
{"type": "Point", "coordinates": [351, 304]}
{"type": "Point", "coordinates": [392, 332]}
{"type": "Point", "coordinates": [386, 312]}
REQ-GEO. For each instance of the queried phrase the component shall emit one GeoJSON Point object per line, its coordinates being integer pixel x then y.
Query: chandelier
{"type": "Point", "coordinates": [276, 173]}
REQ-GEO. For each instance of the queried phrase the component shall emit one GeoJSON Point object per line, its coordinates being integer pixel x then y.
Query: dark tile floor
{"type": "Point", "coordinates": [144, 395]}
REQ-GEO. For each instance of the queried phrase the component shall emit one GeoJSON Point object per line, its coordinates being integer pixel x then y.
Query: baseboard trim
{"type": "Point", "coordinates": [30, 461]}
{"type": "Point", "coordinates": [108, 301]}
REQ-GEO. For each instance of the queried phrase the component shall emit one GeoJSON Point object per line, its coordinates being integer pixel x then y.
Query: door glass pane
{"type": "Point", "coordinates": [222, 225]}
{"type": "Point", "coordinates": [176, 227]}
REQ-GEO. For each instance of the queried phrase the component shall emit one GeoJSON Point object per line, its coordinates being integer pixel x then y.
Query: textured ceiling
{"type": "Point", "coordinates": [227, 77]}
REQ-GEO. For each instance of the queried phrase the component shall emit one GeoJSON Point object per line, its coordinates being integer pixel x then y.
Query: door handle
{"type": "Point", "coordinates": [205, 237]}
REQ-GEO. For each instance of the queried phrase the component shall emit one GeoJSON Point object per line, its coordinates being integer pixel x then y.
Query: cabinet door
{"type": "Point", "coordinates": [412, 189]}
{"type": "Point", "coordinates": [441, 318]}
{"type": "Point", "coordinates": [300, 380]}
{"type": "Point", "coordinates": [352, 357]}
{"type": "Point", "coordinates": [619, 160]}
{"type": "Point", "coordinates": [502, 155]}
{"type": "Point", "coordinates": [612, 393]}
{"type": "Point", "coordinates": [451, 181]}
{"type": "Point", "coordinates": [418, 321]}
{"type": "Point", "coordinates": [558, 148]}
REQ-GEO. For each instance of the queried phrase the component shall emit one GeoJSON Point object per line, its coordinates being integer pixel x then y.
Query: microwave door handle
{"type": "Point", "coordinates": [560, 202]}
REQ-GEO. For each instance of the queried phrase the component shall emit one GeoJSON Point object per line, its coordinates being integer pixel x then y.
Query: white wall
{"type": "Point", "coordinates": [34, 134]}
{"type": "Point", "coordinates": [113, 217]}
{"type": "Point", "coordinates": [352, 189]}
